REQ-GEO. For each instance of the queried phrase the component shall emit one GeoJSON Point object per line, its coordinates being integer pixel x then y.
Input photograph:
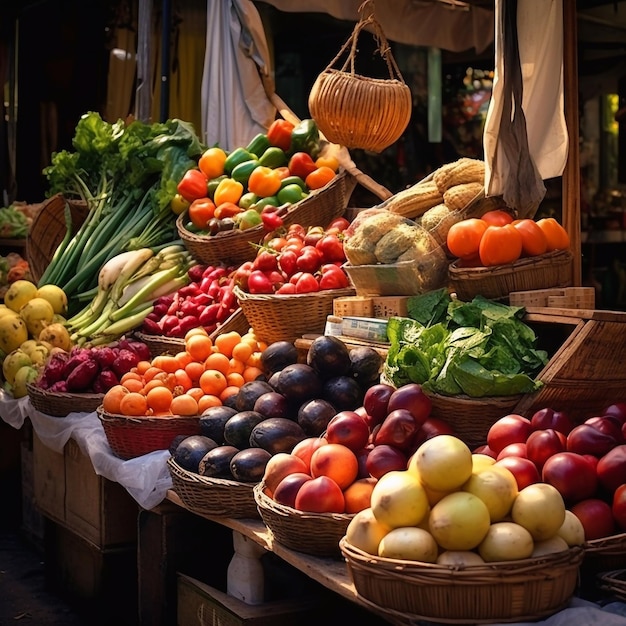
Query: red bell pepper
{"type": "Point", "coordinates": [301, 164]}
{"type": "Point", "coordinates": [279, 134]}
{"type": "Point", "coordinates": [193, 185]}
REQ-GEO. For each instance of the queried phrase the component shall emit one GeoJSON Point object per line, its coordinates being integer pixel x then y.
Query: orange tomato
{"type": "Point", "coordinates": [207, 401]}
{"type": "Point", "coordinates": [159, 399]}
{"type": "Point", "coordinates": [133, 403]}
{"type": "Point", "coordinates": [500, 245]}
{"type": "Point", "coordinates": [199, 347]}
{"type": "Point", "coordinates": [534, 240]}
{"type": "Point", "coordinates": [227, 341]}
{"type": "Point", "coordinates": [213, 382]}
{"type": "Point", "coordinates": [463, 239]}
{"type": "Point", "coordinates": [557, 236]}
{"type": "Point", "coordinates": [319, 177]}
{"type": "Point", "coordinates": [217, 361]}
{"type": "Point", "coordinates": [497, 217]}
{"type": "Point", "coordinates": [184, 404]}
{"type": "Point", "coordinates": [113, 397]}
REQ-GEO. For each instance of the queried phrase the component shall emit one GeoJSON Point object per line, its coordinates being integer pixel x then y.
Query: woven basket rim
{"type": "Point", "coordinates": [610, 544]}
{"type": "Point", "coordinates": [522, 263]}
{"type": "Point", "coordinates": [390, 82]}
{"type": "Point", "coordinates": [472, 573]}
{"type": "Point", "coordinates": [290, 297]}
{"type": "Point", "coordinates": [267, 503]}
{"type": "Point", "coordinates": [465, 399]}
{"type": "Point", "coordinates": [112, 418]}
{"type": "Point", "coordinates": [63, 395]}
{"type": "Point", "coordinates": [207, 481]}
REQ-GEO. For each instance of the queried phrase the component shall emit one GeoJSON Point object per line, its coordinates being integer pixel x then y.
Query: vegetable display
{"type": "Point", "coordinates": [479, 348]}
{"type": "Point", "coordinates": [127, 174]}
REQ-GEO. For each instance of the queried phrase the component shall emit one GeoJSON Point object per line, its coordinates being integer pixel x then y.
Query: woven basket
{"type": "Point", "coordinates": [511, 591]}
{"type": "Point", "coordinates": [317, 534]}
{"type": "Point", "coordinates": [234, 247]}
{"type": "Point", "coordinates": [471, 418]}
{"type": "Point", "coordinates": [356, 111]}
{"type": "Point", "coordinates": [288, 317]}
{"type": "Point", "coordinates": [161, 344]}
{"type": "Point", "coordinates": [614, 581]}
{"type": "Point", "coordinates": [130, 437]}
{"type": "Point", "coordinates": [603, 555]}
{"type": "Point", "coordinates": [213, 496]}
{"type": "Point", "coordinates": [553, 269]}
{"type": "Point", "coordinates": [62, 404]}
{"type": "Point", "coordinates": [48, 229]}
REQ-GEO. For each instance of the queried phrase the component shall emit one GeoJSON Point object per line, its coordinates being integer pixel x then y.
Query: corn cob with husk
{"type": "Point", "coordinates": [415, 200]}
{"type": "Point", "coordinates": [465, 170]}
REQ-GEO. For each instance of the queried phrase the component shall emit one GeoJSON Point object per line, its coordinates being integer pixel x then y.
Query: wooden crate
{"type": "Point", "coordinates": [587, 371]}
{"type": "Point", "coordinates": [68, 490]}
{"type": "Point", "coordinates": [564, 298]}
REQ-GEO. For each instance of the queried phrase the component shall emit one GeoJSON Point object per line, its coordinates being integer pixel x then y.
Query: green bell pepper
{"type": "Point", "coordinates": [263, 202]}
{"type": "Point", "coordinates": [237, 156]}
{"type": "Point", "coordinates": [273, 157]}
{"type": "Point", "coordinates": [242, 172]}
{"type": "Point", "coordinates": [248, 199]}
{"type": "Point", "coordinates": [293, 180]}
{"type": "Point", "coordinates": [291, 193]}
{"type": "Point", "coordinates": [259, 144]}
{"type": "Point", "coordinates": [305, 137]}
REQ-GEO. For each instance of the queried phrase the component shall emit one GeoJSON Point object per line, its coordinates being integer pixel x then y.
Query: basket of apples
{"type": "Point", "coordinates": [289, 288]}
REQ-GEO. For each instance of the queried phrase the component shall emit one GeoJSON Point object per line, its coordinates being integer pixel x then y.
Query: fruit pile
{"type": "Point", "coordinates": [244, 188]}
{"type": "Point", "coordinates": [298, 260]}
{"type": "Point", "coordinates": [585, 462]}
{"type": "Point", "coordinates": [454, 507]}
{"type": "Point", "coordinates": [498, 239]}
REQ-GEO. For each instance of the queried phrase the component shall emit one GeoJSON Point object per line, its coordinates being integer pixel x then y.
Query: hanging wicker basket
{"type": "Point", "coordinates": [357, 111]}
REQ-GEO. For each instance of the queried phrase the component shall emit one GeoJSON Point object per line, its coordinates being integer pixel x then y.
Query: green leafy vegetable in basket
{"type": "Point", "coordinates": [127, 174]}
{"type": "Point", "coordinates": [479, 348]}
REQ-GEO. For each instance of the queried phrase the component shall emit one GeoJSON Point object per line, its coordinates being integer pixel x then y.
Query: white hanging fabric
{"type": "Point", "coordinates": [235, 106]}
{"type": "Point", "coordinates": [525, 137]}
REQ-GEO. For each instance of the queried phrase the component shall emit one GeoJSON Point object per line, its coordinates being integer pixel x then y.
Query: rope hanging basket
{"type": "Point", "coordinates": [357, 111]}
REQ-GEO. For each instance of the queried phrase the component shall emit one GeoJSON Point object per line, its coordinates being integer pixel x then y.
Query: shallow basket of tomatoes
{"type": "Point", "coordinates": [234, 247]}
{"type": "Point", "coordinates": [133, 436]}
{"type": "Point", "coordinates": [317, 534]}
{"type": "Point", "coordinates": [206, 495]}
{"type": "Point", "coordinates": [288, 316]}
{"type": "Point", "coordinates": [507, 591]}
{"type": "Point", "coordinates": [552, 269]}
{"type": "Point", "coordinates": [59, 404]}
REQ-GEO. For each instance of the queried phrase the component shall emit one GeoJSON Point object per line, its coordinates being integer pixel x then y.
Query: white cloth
{"type": "Point", "coordinates": [235, 106]}
{"type": "Point", "coordinates": [540, 37]}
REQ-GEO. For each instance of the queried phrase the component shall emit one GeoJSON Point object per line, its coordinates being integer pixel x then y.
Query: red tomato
{"type": "Point", "coordinates": [258, 282]}
{"type": "Point", "coordinates": [288, 262]}
{"type": "Point", "coordinates": [333, 277]}
{"type": "Point", "coordinates": [339, 223]}
{"type": "Point", "coordinates": [309, 259]}
{"type": "Point", "coordinates": [534, 240]}
{"type": "Point", "coordinates": [307, 283]}
{"type": "Point", "coordinates": [497, 217]}
{"type": "Point", "coordinates": [500, 245]}
{"type": "Point", "coordinates": [331, 248]}
{"type": "Point", "coordinates": [463, 239]}
{"type": "Point", "coordinates": [265, 261]}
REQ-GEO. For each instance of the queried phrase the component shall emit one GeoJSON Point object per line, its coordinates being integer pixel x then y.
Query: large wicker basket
{"type": "Point", "coordinates": [511, 591]}
{"type": "Point", "coordinates": [130, 437]}
{"type": "Point", "coordinates": [357, 111]}
{"type": "Point", "coordinates": [234, 247]}
{"type": "Point", "coordinates": [614, 581]}
{"type": "Point", "coordinates": [213, 496]}
{"type": "Point", "coordinates": [602, 555]}
{"type": "Point", "coordinates": [553, 269]}
{"type": "Point", "coordinates": [62, 404]}
{"type": "Point", "coordinates": [317, 534]}
{"type": "Point", "coordinates": [48, 230]}
{"type": "Point", "coordinates": [288, 317]}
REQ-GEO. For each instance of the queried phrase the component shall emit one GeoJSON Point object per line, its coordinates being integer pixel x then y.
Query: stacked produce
{"type": "Point", "coordinates": [31, 329]}
{"type": "Point", "coordinates": [15, 220]}
{"type": "Point", "coordinates": [12, 267]}
{"type": "Point", "coordinates": [297, 260]}
{"type": "Point", "coordinates": [244, 188]}
{"type": "Point", "coordinates": [127, 175]}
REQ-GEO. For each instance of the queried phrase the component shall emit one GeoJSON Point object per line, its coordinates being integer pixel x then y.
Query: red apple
{"type": "Point", "coordinates": [320, 495]}
{"type": "Point", "coordinates": [485, 449]}
{"type": "Point", "coordinates": [611, 468]}
{"type": "Point", "coordinates": [549, 418]}
{"type": "Point", "coordinates": [607, 424]}
{"type": "Point", "coordinates": [349, 429]}
{"type": "Point", "coordinates": [585, 439]}
{"type": "Point", "coordinates": [398, 429]}
{"type": "Point", "coordinates": [305, 448]}
{"type": "Point", "coordinates": [524, 470]}
{"type": "Point", "coordinates": [432, 427]}
{"type": "Point", "coordinates": [618, 410]}
{"type": "Point", "coordinates": [375, 402]}
{"type": "Point", "coordinates": [288, 488]}
{"type": "Point", "coordinates": [596, 517]}
{"type": "Point", "coordinates": [413, 399]}
{"type": "Point", "coordinates": [618, 506]}
{"type": "Point", "coordinates": [361, 456]}
{"type": "Point", "coordinates": [385, 458]}
{"type": "Point", "coordinates": [542, 444]}
{"type": "Point", "coordinates": [511, 428]}
{"type": "Point", "coordinates": [513, 449]}
{"type": "Point", "coordinates": [573, 476]}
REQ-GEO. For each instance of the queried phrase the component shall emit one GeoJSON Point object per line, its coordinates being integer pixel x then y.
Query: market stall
{"type": "Point", "coordinates": [412, 403]}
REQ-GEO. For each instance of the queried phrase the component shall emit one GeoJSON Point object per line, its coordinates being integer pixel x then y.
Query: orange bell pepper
{"type": "Point", "coordinates": [264, 181]}
{"type": "Point", "coordinates": [228, 190]}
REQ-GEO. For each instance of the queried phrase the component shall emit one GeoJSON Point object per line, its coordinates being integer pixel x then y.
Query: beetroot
{"type": "Point", "coordinates": [104, 356]}
{"type": "Point", "coordinates": [124, 361]}
{"type": "Point", "coordinates": [140, 349]}
{"type": "Point", "coordinates": [53, 371]}
{"type": "Point", "coordinates": [59, 387]}
{"type": "Point", "coordinates": [107, 379]}
{"type": "Point", "coordinates": [77, 357]}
